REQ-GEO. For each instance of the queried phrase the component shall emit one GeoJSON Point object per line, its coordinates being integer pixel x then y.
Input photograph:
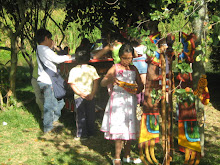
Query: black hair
{"type": "Point", "coordinates": [85, 42]}
{"type": "Point", "coordinates": [161, 42]}
{"type": "Point", "coordinates": [118, 37]}
{"type": "Point", "coordinates": [126, 48]}
{"type": "Point", "coordinates": [66, 49]}
{"type": "Point", "coordinates": [135, 42]}
{"type": "Point", "coordinates": [41, 34]}
{"type": "Point", "coordinates": [82, 54]}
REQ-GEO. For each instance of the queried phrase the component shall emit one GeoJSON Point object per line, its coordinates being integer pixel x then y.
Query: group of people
{"type": "Point", "coordinates": [126, 78]}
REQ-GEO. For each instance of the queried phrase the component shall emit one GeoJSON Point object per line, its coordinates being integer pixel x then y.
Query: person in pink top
{"type": "Point", "coordinates": [119, 121]}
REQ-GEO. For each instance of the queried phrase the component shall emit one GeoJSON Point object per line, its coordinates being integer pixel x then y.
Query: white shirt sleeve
{"type": "Point", "coordinates": [53, 57]}
{"type": "Point", "coordinates": [71, 78]}
{"type": "Point", "coordinates": [49, 59]}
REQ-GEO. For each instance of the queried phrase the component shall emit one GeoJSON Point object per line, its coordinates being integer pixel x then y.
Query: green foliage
{"type": "Point", "coordinates": [136, 33]}
{"type": "Point", "coordinates": [144, 36]}
{"type": "Point", "coordinates": [203, 49]}
{"type": "Point", "coordinates": [182, 21]}
{"type": "Point", "coordinates": [12, 104]}
{"type": "Point", "coordinates": [184, 96]}
{"type": "Point", "coordinates": [73, 31]}
{"type": "Point", "coordinates": [100, 13]}
{"type": "Point", "coordinates": [156, 95]}
{"type": "Point", "coordinates": [175, 25]}
{"type": "Point", "coordinates": [160, 15]}
{"type": "Point", "coordinates": [213, 26]}
{"type": "Point", "coordinates": [184, 67]}
{"type": "Point", "coordinates": [74, 34]}
{"type": "Point", "coordinates": [151, 47]}
{"type": "Point", "coordinates": [216, 33]}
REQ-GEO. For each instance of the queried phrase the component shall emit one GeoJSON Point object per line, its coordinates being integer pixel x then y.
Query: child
{"type": "Point", "coordinates": [83, 79]}
{"type": "Point", "coordinates": [140, 62]}
{"type": "Point", "coordinates": [119, 122]}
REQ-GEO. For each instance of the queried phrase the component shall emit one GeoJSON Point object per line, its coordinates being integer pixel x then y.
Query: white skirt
{"type": "Point", "coordinates": [119, 121]}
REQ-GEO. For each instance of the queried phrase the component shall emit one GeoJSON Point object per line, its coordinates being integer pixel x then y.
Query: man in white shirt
{"type": "Point", "coordinates": [52, 106]}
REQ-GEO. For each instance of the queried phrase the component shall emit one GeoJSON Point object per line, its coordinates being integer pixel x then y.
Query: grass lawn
{"type": "Point", "coordinates": [22, 141]}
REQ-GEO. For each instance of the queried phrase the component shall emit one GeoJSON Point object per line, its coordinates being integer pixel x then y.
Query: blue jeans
{"type": "Point", "coordinates": [52, 106]}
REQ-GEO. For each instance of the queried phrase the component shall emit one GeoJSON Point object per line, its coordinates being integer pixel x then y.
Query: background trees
{"type": "Point", "coordinates": [19, 20]}
{"type": "Point", "coordinates": [172, 16]}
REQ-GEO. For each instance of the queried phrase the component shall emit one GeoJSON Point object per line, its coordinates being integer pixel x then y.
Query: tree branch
{"type": "Point", "coordinates": [142, 23]}
{"type": "Point", "coordinates": [5, 27]}
{"type": "Point", "coordinates": [5, 48]}
{"type": "Point", "coordinates": [58, 27]}
{"type": "Point", "coordinates": [111, 3]}
{"type": "Point", "coordinates": [194, 10]}
{"type": "Point", "coordinates": [215, 23]}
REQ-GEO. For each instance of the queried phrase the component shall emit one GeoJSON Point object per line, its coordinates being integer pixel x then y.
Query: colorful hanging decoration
{"type": "Point", "coordinates": [154, 38]}
{"type": "Point", "coordinates": [188, 134]}
{"type": "Point", "coordinates": [149, 127]}
{"type": "Point", "coordinates": [202, 90]}
{"type": "Point", "coordinates": [188, 47]}
{"type": "Point", "coordinates": [188, 127]}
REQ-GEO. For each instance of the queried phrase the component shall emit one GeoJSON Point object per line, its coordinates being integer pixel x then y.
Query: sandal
{"type": "Point", "coordinates": [113, 161]}
{"type": "Point", "coordinates": [132, 160]}
{"type": "Point", "coordinates": [137, 160]}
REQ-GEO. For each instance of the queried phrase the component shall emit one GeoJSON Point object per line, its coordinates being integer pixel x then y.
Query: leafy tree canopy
{"type": "Point", "coordinates": [115, 14]}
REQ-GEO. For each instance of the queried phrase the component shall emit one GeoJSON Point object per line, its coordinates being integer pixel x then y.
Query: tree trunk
{"type": "Point", "coordinates": [198, 66]}
{"type": "Point", "coordinates": [14, 61]}
{"type": "Point", "coordinates": [170, 113]}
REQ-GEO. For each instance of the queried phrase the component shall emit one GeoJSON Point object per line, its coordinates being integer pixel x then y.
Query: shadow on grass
{"type": "Point", "coordinates": [95, 150]}
{"type": "Point", "coordinates": [96, 144]}
{"type": "Point", "coordinates": [25, 93]}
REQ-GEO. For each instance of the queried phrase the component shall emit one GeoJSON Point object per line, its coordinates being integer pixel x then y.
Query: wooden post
{"type": "Point", "coordinates": [170, 110]}
{"type": "Point", "coordinates": [170, 54]}
{"type": "Point", "coordinates": [163, 105]}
